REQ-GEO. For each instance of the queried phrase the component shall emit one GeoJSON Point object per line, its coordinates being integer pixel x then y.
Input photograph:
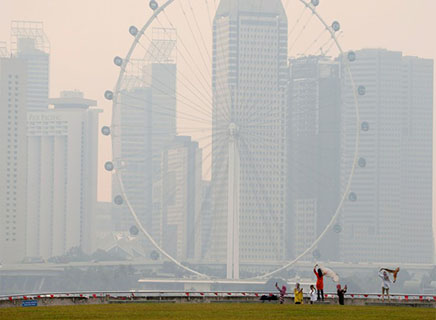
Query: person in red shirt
{"type": "Point", "coordinates": [319, 283]}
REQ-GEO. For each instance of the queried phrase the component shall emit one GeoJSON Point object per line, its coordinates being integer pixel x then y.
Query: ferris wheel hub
{"type": "Point", "coordinates": [233, 130]}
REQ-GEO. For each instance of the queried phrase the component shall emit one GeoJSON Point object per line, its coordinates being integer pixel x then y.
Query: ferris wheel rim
{"type": "Point", "coordinates": [331, 29]}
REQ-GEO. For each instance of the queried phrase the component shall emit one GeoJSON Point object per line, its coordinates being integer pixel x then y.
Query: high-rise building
{"type": "Point", "coordinates": [388, 215]}
{"type": "Point", "coordinates": [30, 43]}
{"type": "Point", "coordinates": [62, 176]}
{"type": "Point", "coordinates": [4, 52]}
{"type": "Point", "coordinates": [13, 164]}
{"type": "Point", "coordinates": [136, 154]}
{"type": "Point", "coordinates": [313, 152]}
{"type": "Point", "coordinates": [181, 198]}
{"type": "Point", "coordinates": [147, 124]}
{"type": "Point", "coordinates": [250, 76]}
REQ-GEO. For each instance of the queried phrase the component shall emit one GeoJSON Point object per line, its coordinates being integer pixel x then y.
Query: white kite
{"type": "Point", "coordinates": [328, 273]}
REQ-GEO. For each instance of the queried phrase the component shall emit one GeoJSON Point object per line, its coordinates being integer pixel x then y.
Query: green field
{"type": "Point", "coordinates": [217, 311]}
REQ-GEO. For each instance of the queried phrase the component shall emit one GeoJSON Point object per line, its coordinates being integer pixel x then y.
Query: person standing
{"type": "Point", "coordinates": [393, 271]}
{"type": "Point", "coordinates": [319, 282]}
{"type": "Point", "coordinates": [298, 294]}
{"type": "Point", "coordinates": [341, 293]}
{"type": "Point", "coordinates": [386, 283]}
{"type": "Point", "coordinates": [282, 292]}
{"type": "Point", "coordinates": [312, 294]}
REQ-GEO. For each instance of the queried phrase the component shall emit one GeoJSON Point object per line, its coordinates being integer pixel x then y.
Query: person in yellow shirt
{"type": "Point", "coordinates": [298, 294]}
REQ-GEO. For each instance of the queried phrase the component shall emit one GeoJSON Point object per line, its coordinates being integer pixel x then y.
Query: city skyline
{"type": "Point", "coordinates": [232, 107]}
{"type": "Point", "coordinates": [75, 67]}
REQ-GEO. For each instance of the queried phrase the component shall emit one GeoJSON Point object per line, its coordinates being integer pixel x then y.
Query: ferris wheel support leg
{"type": "Point", "coordinates": [233, 208]}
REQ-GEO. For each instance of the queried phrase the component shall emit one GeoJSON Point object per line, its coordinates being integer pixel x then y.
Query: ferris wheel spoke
{"type": "Point", "coordinates": [332, 43]}
{"type": "Point", "coordinates": [189, 105]}
{"type": "Point", "coordinates": [251, 111]}
{"type": "Point", "coordinates": [200, 75]}
{"type": "Point", "coordinates": [202, 83]}
{"type": "Point", "coordinates": [208, 14]}
{"type": "Point", "coordinates": [223, 89]}
{"type": "Point", "coordinates": [294, 26]}
{"type": "Point", "coordinates": [315, 176]}
{"type": "Point", "coordinates": [186, 101]}
{"type": "Point", "coordinates": [206, 50]}
{"type": "Point", "coordinates": [258, 119]}
{"type": "Point", "coordinates": [195, 39]}
{"type": "Point", "coordinates": [208, 171]}
{"type": "Point", "coordinates": [124, 170]}
{"type": "Point", "coordinates": [301, 32]}
{"type": "Point", "coordinates": [199, 217]}
{"type": "Point", "coordinates": [163, 110]}
{"type": "Point", "coordinates": [318, 38]}
{"type": "Point", "coordinates": [198, 94]}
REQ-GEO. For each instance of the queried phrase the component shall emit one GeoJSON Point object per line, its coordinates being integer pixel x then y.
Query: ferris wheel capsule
{"type": "Point", "coordinates": [106, 131]}
{"type": "Point", "coordinates": [134, 231]}
{"type": "Point", "coordinates": [153, 5]}
{"type": "Point", "coordinates": [314, 3]}
{"type": "Point", "coordinates": [337, 228]}
{"type": "Point", "coordinates": [118, 200]}
{"type": "Point", "coordinates": [109, 95]}
{"type": "Point", "coordinates": [336, 26]}
{"type": "Point", "coordinates": [118, 61]}
{"type": "Point", "coordinates": [351, 56]}
{"type": "Point", "coordinates": [109, 166]}
{"type": "Point", "coordinates": [133, 31]}
{"type": "Point", "coordinates": [154, 255]}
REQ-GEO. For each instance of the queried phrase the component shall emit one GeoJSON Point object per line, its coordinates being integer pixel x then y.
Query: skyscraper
{"type": "Point", "coordinates": [181, 198]}
{"type": "Point", "coordinates": [13, 164]}
{"type": "Point", "coordinates": [147, 124]}
{"type": "Point", "coordinates": [62, 176]}
{"type": "Point", "coordinates": [4, 52]}
{"type": "Point", "coordinates": [313, 152]}
{"type": "Point", "coordinates": [249, 91]}
{"type": "Point", "coordinates": [30, 43]}
{"type": "Point", "coordinates": [388, 215]}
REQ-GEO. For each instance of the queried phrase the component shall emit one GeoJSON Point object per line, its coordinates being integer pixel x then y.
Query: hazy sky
{"type": "Point", "coordinates": [85, 35]}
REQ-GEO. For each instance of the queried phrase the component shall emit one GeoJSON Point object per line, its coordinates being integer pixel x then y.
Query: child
{"type": "Point", "coordinates": [312, 294]}
{"type": "Point", "coordinates": [319, 282]}
{"type": "Point", "coordinates": [282, 293]}
{"type": "Point", "coordinates": [386, 282]}
{"type": "Point", "coordinates": [298, 294]}
{"type": "Point", "coordinates": [341, 294]}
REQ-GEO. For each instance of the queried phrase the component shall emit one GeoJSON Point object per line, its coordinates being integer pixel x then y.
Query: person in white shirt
{"type": "Point", "coordinates": [313, 296]}
{"type": "Point", "coordinates": [386, 283]}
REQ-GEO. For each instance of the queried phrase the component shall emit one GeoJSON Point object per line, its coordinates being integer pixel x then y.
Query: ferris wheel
{"type": "Point", "coordinates": [203, 123]}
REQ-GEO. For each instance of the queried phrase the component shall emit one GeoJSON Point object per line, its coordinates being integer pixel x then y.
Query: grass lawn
{"type": "Point", "coordinates": [218, 311]}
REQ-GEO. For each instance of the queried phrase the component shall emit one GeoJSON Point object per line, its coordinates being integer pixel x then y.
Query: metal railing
{"type": "Point", "coordinates": [140, 294]}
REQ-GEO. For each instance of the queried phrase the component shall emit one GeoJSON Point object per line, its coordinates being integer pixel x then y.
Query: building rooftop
{"type": "Point", "coordinates": [263, 7]}
{"type": "Point", "coordinates": [72, 100]}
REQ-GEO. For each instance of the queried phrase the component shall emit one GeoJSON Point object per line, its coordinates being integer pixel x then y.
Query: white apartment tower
{"type": "Point", "coordinates": [249, 107]}
{"type": "Point", "coordinates": [388, 215]}
{"type": "Point", "coordinates": [13, 165]}
{"type": "Point", "coordinates": [62, 176]}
